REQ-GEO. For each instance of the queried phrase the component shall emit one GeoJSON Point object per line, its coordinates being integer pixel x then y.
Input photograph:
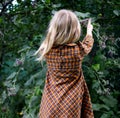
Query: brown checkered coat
{"type": "Point", "coordinates": [65, 93]}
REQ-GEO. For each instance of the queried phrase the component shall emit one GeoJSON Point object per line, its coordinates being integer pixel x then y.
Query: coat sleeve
{"type": "Point", "coordinates": [87, 44]}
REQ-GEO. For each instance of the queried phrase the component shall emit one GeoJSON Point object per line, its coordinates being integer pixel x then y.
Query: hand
{"type": "Point", "coordinates": [89, 27]}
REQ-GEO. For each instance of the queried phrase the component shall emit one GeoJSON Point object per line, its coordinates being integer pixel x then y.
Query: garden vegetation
{"type": "Point", "coordinates": [22, 28]}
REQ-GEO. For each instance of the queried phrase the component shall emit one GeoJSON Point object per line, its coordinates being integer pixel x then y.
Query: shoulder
{"type": "Point", "coordinates": [66, 49]}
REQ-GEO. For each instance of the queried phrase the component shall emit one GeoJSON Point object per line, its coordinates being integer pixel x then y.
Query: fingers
{"type": "Point", "coordinates": [89, 27]}
{"type": "Point", "coordinates": [89, 21]}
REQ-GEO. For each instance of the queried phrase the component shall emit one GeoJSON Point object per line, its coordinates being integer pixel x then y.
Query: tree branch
{"type": "Point", "coordinates": [4, 6]}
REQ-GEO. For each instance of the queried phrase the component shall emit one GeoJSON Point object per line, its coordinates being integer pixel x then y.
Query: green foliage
{"type": "Point", "coordinates": [100, 72]}
{"type": "Point", "coordinates": [22, 28]}
{"type": "Point", "coordinates": [23, 87]}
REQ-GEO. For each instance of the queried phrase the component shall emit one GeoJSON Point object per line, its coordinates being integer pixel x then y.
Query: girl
{"type": "Point", "coordinates": [65, 93]}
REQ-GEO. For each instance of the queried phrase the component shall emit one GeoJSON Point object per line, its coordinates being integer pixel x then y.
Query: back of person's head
{"type": "Point", "coordinates": [64, 28]}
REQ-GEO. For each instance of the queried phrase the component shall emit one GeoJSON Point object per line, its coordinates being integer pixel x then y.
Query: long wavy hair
{"type": "Point", "coordinates": [64, 28]}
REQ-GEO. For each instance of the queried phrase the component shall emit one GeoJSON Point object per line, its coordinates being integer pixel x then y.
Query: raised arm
{"type": "Point", "coordinates": [88, 41]}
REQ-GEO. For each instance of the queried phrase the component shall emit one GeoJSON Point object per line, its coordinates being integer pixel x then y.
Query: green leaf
{"type": "Point", "coordinates": [12, 75]}
{"type": "Point", "coordinates": [27, 92]}
{"type": "Point", "coordinates": [1, 20]}
{"type": "Point", "coordinates": [109, 100]}
{"type": "Point", "coordinates": [105, 115]}
{"type": "Point", "coordinates": [4, 96]}
{"type": "Point", "coordinates": [98, 107]}
{"type": "Point", "coordinates": [82, 15]}
{"type": "Point", "coordinates": [29, 82]}
{"type": "Point", "coordinates": [48, 1]}
{"type": "Point", "coordinates": [34, 100]}
{"type": "Point", "coordinates": [17, 88]}
{"type": "Point", "coordinates": [96, 84]}
{"type": "Point", "coordinates": [108, 115]}
{"type": "Point", "coordinates": [116, 12]}
{"type": "Point", "coordinates": [24, 49]}
{"type": "Point", "coordinates": [40, 82]}
{"type": "Point", "coordinates": [96, 67]}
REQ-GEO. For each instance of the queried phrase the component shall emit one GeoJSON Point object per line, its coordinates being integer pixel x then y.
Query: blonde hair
{"type": "Point", "coordinates": [64, 28]}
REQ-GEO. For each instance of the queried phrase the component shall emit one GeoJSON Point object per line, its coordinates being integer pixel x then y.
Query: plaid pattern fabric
{"type": "Point", "coordinates": [65, 92]}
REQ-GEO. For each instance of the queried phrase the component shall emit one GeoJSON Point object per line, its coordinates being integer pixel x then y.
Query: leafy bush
{"type": "Point", "coordinates": [22, 78]}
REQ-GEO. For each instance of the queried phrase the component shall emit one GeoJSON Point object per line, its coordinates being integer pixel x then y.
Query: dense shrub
{"type": "Point", "coordinates": [22, 28]}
